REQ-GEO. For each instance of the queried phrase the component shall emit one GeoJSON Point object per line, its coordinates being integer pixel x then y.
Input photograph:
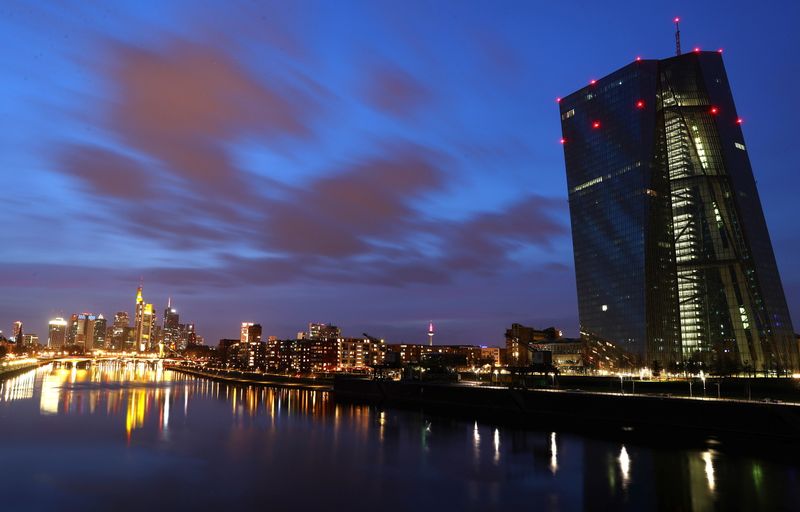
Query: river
{"type": "Point", "coordinates": [131, 437]}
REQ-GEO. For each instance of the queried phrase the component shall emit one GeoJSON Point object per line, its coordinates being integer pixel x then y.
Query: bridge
{"type": "Point", "coordinates": [93, 360]}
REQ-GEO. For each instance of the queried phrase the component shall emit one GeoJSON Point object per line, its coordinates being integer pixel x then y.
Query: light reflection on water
{"type": "Point", "coordinates": [218, 444]}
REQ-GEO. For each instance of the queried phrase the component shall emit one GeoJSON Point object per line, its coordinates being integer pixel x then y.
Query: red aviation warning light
{"type": "Point", "coordinates": [592, 81]}
{"type": "Point", "coordinates": [676, 20]}
{"type": "Point", "coordinates": [719, 51]}
{"type": "Point", "coordinates": [640, 104]}
{"type": "Point", "coordinates": [739, 120]}
{"type": "Point", "coordinates": [696, 49]}
{"type": "Point", "coordinates": [563, 140]}
{"type": "Point", "coordinates": [638, 58]}
{"type": "Point", "coordinates": [558, 100]}
{"type": "Point", "coordinates": [596, 125]}
{"type": "Point", "coordinates": [714, 111]}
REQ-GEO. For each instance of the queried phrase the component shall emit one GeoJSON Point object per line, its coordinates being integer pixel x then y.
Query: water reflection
{"type": "Point", "coordinates": [207, 436]}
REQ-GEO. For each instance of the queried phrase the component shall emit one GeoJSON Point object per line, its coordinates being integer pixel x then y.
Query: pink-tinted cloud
{"type": "Point", "coordinates": [107, 174]}
{"type": "Point", "coordinates": [395, 91]}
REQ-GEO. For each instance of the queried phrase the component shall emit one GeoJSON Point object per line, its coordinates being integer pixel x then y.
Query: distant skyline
{"type": "Point", "coordinates": [374, 165]}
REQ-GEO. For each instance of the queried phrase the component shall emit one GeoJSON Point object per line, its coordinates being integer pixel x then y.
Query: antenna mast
{"type": "Point", "coordinates": [677, 36]}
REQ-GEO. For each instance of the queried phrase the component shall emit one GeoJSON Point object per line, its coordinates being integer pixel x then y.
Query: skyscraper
{"type": "Point", "coordinates": [145, 319]}
{"type": "Point", "coordinates": [120, 332]}
{"type": "Point", "coordinates": [171, 331]}
{"type": "Point", "coordinates": [16, 332]}
{"type": "Point", "coordinates": [56, 333]}
{"type": "Point", "coordinates": [81, 333]}
{"type": "Point", "coordinates": [99, 334]}
{"type": "Point", "coordinates": [673, 260]}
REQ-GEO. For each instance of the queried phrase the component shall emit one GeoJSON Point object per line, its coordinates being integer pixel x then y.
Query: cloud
{"type": "Point", "coordinates": [107, 174]}
{"type": "Point", "coordinates": [336, 214]}
{"type": "Point", "coordinates": [395, 91]}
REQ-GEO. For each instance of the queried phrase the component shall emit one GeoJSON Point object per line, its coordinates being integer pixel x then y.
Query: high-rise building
{"type": "Point", "coordinates": [121, 331]}
{"type": "Point", "coordinates": [171, 331]}
{"type": "Point", "coordinates": [323, 331]}
{"type": "Point", "coordinates": [251, 349]}
{"type": "Point", "coordinates": [57, 333]}
{"type": "Point", "coordinates": [16, 332]}
{"type": "Point", "coordinates": [188, 335]}
{"type": "Point", "coordinates": [81, 333]}
{"type": "Point", "coordinates": [144, 321]}
{"type": "Point", "coordinates": [673, 260]}
{"type": "Point", "coordinates": [30, 340]}
{"type": "Point", "coordinates": [99, 334]}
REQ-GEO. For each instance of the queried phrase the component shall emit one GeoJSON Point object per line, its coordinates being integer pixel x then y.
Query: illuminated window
{"type": "Point", "coordinates": [739, 146]}
{"type": "Point", "coordinates": [604, 307]}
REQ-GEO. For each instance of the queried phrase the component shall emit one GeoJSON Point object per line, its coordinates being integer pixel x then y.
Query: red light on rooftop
{"type": "Point", "coordinates": [638, 59]}
{"type": "Point", "coordinates": [592, 82]}
{"type": "Point", "coordinates": [719, 51]}
{"type": "Point", "coordinates": [714, 110]}
{"type": "Point", "coordinates": [563, 140]}
{"type": "Point", "coordinates": [640, 104]}
{"type": "Point", "coordinates": [676, 20]}
{"type": "Point", "coordinates": [596, 124]}
{"type": "Point", "coordinates": [739, 120]}
{"type": "Point", "coordinates": [696, 49]}
{"type": "Point", "coordinates": [558, 100]}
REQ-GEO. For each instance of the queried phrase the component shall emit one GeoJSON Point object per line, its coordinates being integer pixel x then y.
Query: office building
{"type": "Point", "coordinates": [57, 333]}
{"type": "Point", "coordinates": [673, 260]}
{"type": "Point", "coordinates": [144, 321]}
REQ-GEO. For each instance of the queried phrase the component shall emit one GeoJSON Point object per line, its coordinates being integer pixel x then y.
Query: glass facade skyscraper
{"type": "Point", "coordinates": [673, 259]}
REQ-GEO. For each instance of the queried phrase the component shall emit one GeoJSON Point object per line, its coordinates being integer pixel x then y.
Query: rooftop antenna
{"type": "Point", "coordinates": [677, 36]}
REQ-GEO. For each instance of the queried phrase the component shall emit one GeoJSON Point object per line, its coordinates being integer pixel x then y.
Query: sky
{"type": "Point", "coordinates": [374, 164]}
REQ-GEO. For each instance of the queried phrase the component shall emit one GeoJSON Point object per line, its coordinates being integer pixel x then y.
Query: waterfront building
{"type": "Point", "coordinates": [359, 353]}
{"type": "Point", "coordinates": [16, 332]}
{"type": "Point", "coordinates": [323, 331]}
{"type": "Point", "coordinates": [99, 332]}
{"type": "Point", "coordinates": [171, 331]}
{"type": "Point", "coordinates": [188, 336]}
{"type": "Point", "coordinates": [520, 340]}
{"type": "Point", "coordinates": [144, 321]}
{"type": "Point", "coordinates": [81, 332]}
{"type": "Point", "coordinates": [30, 340]}
{"type": "Point", "coordinates": [289, 356]}
{"type": "Point", "coordinates": [673, 260]}
{"type": "Point", "coordinates": [120, 335]}
{"type": "Point", "coordinates": [252, 349]}
{"type": "Point", "coordinates": [56, 333]}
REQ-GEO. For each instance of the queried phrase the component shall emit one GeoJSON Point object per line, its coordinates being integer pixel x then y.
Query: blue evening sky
{"type": "Point", "coordinates": [371, 164]}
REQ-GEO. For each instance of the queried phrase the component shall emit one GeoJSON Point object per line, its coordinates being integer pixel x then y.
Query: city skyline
{"type": "Point", "coordinates": [445, 166]}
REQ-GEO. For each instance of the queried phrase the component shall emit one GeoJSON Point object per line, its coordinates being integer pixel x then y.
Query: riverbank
{"type": "Point", "coordinates": [262, 379]}
{"type": "Point", "coordinates": [13, 371]}
{"type": "Point", "coordinates": [570, 409]}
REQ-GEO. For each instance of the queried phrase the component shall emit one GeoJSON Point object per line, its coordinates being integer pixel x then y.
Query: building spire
{"type": "Point", "coordinates": [677, 21]}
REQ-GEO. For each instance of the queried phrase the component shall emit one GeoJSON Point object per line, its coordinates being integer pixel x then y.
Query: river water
{"type": "Point", "coordinates": [125, 437]}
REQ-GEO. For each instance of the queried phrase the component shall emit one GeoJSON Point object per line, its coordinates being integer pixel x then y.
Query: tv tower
{"type": "Point", "coordinates": [430, 333]}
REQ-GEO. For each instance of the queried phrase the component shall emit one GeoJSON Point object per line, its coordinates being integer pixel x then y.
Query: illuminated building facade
{"type": "Point", "coordinates": [171, 327]}
{"type": "Point", "coordinates": [99, 332]}
{"type": "Point", "coordinates": [81, 330]}
{"type": "Point", "coordinates": [56, 333]}
{"type": "Point", "coordinates": [673, 260]}
{"type": "Point", "coordinates": [520, 340]}
{"type": "Point", "coordinates": [144, 321]}
{"type": "Point", "coordinates": [16, 331]}
{"type": "Point", "coordinates": [120, 336]}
